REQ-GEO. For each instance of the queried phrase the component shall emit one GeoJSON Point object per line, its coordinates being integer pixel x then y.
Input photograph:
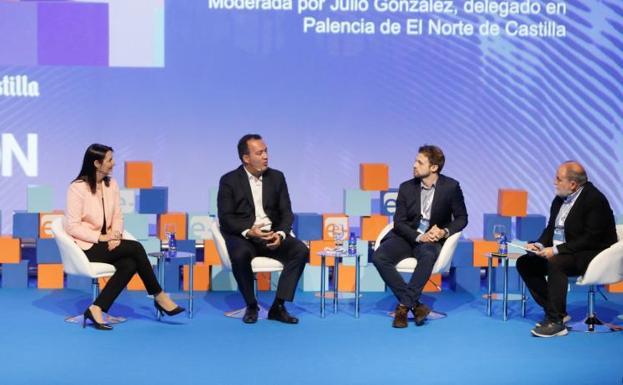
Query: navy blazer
{"type": "Point", "coordinates": [447, 211]}
{"type": "Point", "coordinates": [589, 226]}
{"type": "Point", "coordinates": [236, 210]}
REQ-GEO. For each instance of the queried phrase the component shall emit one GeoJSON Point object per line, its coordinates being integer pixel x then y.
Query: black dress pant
{"type": "Point", "coordinates": [395, 249]}
{"type": "Point", "coordinates": [128, 258]}
{"type": "Point", "coordinates": [551, 293]}
{"type": "Point", "coordinates": [292, 253]}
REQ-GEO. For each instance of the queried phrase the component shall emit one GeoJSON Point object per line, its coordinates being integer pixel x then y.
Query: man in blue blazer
{"type": "Point", "coordinates": [255, 216]}
{"type": "Point", "coordinates": [429, 208]}
{"type": "Point", "coordinates": [581, 225]}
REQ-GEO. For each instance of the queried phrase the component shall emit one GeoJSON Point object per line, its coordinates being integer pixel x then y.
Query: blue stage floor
{"type": "Point", "coordinates": [37, 347]}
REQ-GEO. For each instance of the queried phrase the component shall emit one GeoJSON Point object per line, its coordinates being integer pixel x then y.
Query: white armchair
{"type": "Point", "coordinates": [258, 265]}
{"type": "Point", "coordinates": [605, 268]}
{"type": "Point", "coordinates": [442, 264]}
{"type": "Point", "coordinates": [75, 262]}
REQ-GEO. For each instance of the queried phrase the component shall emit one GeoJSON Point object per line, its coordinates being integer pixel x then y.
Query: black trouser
{"type": "Point", "coordinates": [551, 293]}
{"type": "Point", "coordinates": [128, 258]}
{"type": "Point", "coordinates": [395, 249]}
{"type": "Point", "coordinates": [292, 253]}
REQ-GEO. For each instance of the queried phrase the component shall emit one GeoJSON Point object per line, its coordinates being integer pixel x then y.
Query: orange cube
{"type": "Point", "coordinates": [433, 284]}
{"type": "Point", "coordinates": [330, 222]}
{"type": "Point", "coordinates": [373, 176]}
{"type": "Point", "coordinates": [346, 280]}
{"type": "Point", "coordinates": [201, 277]}
{"type": "Point", "coordinates": [139, 174]}
{"type": "Point", "coordinates": [50, 276]}
{"type": "Point", "coordinates": [136, 284]}
{"type": "Point", "coordinates": [263, 281]}
{"type": "Point", "coordinates": [177, 220]}
{"type": "Point", "coordinates": [10, 250]}
{"type": "Point", "coordinates": [372, 226]}
{"type": "Point", "coordinates": [45, 223]}
{"type": "Point", "coordinates": [481, 249]}
{"type": "Point", "coordinates": [210, 254]}
{"type": "Point", "coordinates": [102, 282]}
{"type": "Point", "coordinates": [317, 246]}
{"type": "Point", "coordinates": [512, 203]}
{"type": "Point", "coordinates": [616, 287]}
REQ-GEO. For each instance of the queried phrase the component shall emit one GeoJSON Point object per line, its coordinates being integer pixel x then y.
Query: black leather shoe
{"type": "Point", "coordinates": [250, 314]}
{"type": "Point", "coordinates": [162, 311]}
{"type": "Point", "coordinates": [279, 313]}
{"type": "Point", "coordinates": [89, 316]}
{"type": "Point", "coordinates": [420, 312]}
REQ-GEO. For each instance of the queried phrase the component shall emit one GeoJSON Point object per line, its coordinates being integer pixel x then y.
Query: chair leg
{"type": "Point", "coordinates": [95, 291]}
{"type": "Point", "coordinates": [239, 313]}
{"type": "Point", "coordinates": [591, 323]}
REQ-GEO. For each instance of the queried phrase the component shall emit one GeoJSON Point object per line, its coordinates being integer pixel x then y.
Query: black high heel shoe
{"type": "Point", "coordinates": [97, 325]}
{"type": "Point", "coordinates": [175, 311]}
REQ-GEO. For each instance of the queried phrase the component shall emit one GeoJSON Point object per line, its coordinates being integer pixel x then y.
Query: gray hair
{"type": "Point", "coordinates": [575, 172]}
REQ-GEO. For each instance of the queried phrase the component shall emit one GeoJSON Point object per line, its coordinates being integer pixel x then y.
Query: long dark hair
{"type": "Point", "coordinates": [87, 173]}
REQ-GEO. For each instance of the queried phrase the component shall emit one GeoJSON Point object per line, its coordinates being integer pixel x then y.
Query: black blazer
{"type": "Point", "coordinates": [236, 211]}
{"type": "Point", "coordinates": [589, 227]}
{"type": "Point", "coordinates": [447, 211]}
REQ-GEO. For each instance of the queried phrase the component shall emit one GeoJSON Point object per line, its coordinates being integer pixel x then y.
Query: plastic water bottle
{"type": "Point", "coordinates": [172, 243]}
{"type": "Point", "coordinates": [352, 244]}
{"type": "Point", "coordinates": [503, 249]}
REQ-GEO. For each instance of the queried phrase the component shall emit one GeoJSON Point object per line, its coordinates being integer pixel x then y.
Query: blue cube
{"type": "Point", "coordinates": [376, 206]}
{"type": "Point", "coordinates": [465, 279]}
{"type": "Point", "coordinates": [490, 220]}
{"type": "Point", "coordinates": [76, 282]}
{"type": "Point", "coordinates": [172, 277]}
{"type": "Point", "coordinates": [530, 227]}
{"type": "Point", "coordinates": [463, 254]}
{"type": "Point", "coordinates": [362, 250]}
{"type": "Point", "coordinates": [199, 226]}
{"type": "Point", "coordinates": [40, 199]}
{"type": "Point", "coordinates": [213, 193]}
{"type": "Point", "coordinates": [151, 245]}
{"type": "Point", "coordinates": [357, 203]}
{"type": "Point", "coordinates": [274, 280]}
{"type": "Point", "coordinates": [187, 245]}
{"type": "Point", "coordinates": [127, 200]}
{"type": "Point", "coordinates": [25, 225]}
{"type": "Point", "coordinates": [307, 226]}
{"type": "Point", "coordinates": [47, 251]}
{"type": "Point", "coordinates": [15, 275]}
{"type": "Point", "coordinates": [388, 201]}
{"type": "Point", "coordinates": [370, 280]}
{"type": "Point", "coordinates": [513, 279]}
{"type": "Point", "coordinates": [137, 225]}
{"type": "Point", "coordinates": [153, 200]}
{"type": "Point", "coordinates": [222, 280]}
{"type": "Point", "coordinates": [311, 278]}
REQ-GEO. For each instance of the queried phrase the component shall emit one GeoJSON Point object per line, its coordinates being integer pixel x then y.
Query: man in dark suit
{"type": "Point", "coordinates": [256, 217]}
{"type": "Point", "coordinates": [581, 225]}
{"type": "Point", "coordinates": [429, 208]}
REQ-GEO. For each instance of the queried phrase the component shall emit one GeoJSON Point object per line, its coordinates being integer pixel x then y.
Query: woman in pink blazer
{"type": "Point", "coordinates": [94, 220]}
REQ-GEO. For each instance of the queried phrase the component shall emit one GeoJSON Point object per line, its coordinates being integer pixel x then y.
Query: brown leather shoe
{"type": "Point", "coordinates": [400, 316]}
{"type": "Point", "coordinates": [420, 312]}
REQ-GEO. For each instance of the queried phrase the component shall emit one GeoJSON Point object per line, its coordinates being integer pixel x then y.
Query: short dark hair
{"type": "Point", "coordinates": [243, 144]}
{"type": "Point", "coordinates": [87, 172]}
{"type": "Point", "coordinates": [434, 154]}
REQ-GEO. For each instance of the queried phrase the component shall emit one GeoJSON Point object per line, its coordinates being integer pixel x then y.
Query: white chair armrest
{"type": "Point", "coordinates": [605, 268]}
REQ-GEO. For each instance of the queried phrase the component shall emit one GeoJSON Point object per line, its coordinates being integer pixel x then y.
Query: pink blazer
{"type": "Point", "coordinates": [84, 216]}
